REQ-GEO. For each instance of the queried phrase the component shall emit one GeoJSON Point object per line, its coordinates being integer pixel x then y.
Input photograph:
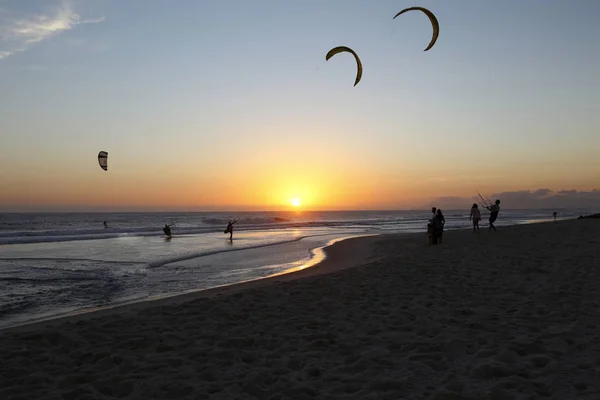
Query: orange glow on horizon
{"type": "Point", "coordinates": [252, 183]}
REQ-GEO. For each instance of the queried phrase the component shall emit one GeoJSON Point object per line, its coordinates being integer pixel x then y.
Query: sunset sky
{"type": "Point", "coordinates": [226, 105]}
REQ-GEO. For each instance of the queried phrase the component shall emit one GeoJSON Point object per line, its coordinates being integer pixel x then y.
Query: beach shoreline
{"type": "Point", "coordinates": [320, 255]}
{"type": "Point", "coordinates": [326, 259]}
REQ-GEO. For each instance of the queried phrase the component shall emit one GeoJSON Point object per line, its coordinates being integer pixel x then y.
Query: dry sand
{"type": "Point", "coordinates": [512, 314]}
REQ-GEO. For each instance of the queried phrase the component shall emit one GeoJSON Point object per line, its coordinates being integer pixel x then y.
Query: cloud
{"type": "Point", "coordinates": [19, 32]}
{"type": "Point", "coordinates": [566, 192]}
{"type": "Point", "coordinates": [541, 192]}
{"type": "Point", "coordinates": [529, 199]}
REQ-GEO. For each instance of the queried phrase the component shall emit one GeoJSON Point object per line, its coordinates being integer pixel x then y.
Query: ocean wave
{"type": "Point", "coordinates": [60, 259]}
{"type": "Point", "coordinates": [191, 256]}
{"type": "Point", "coordinates": [151, 225]}
{"type": "Point", "coordinates": [14, 279]}
{"type": "Point", "coordinates": [259, 220]}
{"type": "Point", "coordinates": [97, 234]}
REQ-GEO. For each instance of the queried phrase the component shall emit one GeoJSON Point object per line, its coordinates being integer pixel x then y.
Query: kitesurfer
{"type": "Point", "coordinates": [229, 229]}
{"type": "Point", "coordinates": [167, 230]}
{"type": "Point", "coordinates": [494, 210]}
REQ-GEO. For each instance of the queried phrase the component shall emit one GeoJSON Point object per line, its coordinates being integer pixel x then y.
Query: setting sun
{"type": "Point", "coordinates": [296, 202]}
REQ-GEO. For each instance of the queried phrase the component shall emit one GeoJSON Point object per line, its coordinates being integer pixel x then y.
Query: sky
{"type": "Point", "coordinates": [231, 105]}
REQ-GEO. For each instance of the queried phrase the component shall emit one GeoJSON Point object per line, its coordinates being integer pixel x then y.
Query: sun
{"type": "Point", "coordinates": [296, 202]}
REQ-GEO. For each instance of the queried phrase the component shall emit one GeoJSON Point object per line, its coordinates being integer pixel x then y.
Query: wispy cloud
{"type": "Point", "coordinates": [19, 33]}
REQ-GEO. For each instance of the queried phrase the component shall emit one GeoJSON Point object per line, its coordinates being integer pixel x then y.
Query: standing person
{"type": "Point", "coordinates": [554, 214]}
{"type": "Point", "coordinates": [494, 210]}
{"type": "Point", "coordinates": [475, 217]}
{"type": "Point", "coordinates": [105, 225]}
{"type": "Point", "coordinates": [434, 214]}
{"type": "Point", "coordinates": [431, 232]}
{"type": "Point", "coordinates": [440, 221]}
{"type": "Point", "coordinates": [167, 230]}
{"type": "Point", "coordinates": [229, 229]}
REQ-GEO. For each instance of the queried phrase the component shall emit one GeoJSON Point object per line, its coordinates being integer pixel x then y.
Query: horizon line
{"type": "Point", "coordinates": [268, 211]}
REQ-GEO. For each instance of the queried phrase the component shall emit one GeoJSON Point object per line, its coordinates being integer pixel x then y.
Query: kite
{"type": "Point", "coordinates": [432, 18]}
{"type": "Point", "coordinates": [341, 49]}
{"type": "Point", "coordinates": [103, 160]}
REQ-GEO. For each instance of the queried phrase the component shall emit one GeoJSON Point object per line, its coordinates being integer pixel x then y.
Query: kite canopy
{"type": "Point", "coordinates": [432, 18]}
{"type": "Point", "coordinates": [103, 160]}
{"type": "Point", "coordinates": [342, 49]}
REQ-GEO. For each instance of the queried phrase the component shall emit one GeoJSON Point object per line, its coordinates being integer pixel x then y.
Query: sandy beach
{"type": "Point", "coordinates": [512, 314]}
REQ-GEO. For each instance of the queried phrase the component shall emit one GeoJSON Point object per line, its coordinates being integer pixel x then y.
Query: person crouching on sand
{"type": "Point", "coordinates": [494, 210]}
{"type": "Point", "coordinates": [475, 217]}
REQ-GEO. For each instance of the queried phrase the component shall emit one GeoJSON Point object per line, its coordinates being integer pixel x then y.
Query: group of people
{"type": "Point", "coordinates": [229, 229]}
{"type": "Point", "coordinates": [475, 215]}
{"type": "Point", "coordinates": [435, 227]}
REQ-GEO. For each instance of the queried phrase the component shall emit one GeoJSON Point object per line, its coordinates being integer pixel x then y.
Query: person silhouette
{"type": "Point", "coordinates": [229, 229]}
{"type": "Point", "coordinates": [475, 216]}
{"type": "Point", "coordinates": [440, 221]}
{"type": "Point", "coordinates": [167, 230]}
{"type": "Point", "coordinates": [494, 210]}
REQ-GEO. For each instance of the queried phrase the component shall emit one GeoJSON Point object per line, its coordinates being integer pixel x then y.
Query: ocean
{"type": "Point", "coordinates": [57, 263]}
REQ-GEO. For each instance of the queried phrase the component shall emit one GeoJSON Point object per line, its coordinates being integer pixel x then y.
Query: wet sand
{"type": "Point", "coordinates": [512, 314]}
